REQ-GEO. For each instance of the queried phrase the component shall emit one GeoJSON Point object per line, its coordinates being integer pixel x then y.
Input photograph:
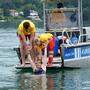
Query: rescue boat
{"type": "Point", "coordinates": [65, 17]}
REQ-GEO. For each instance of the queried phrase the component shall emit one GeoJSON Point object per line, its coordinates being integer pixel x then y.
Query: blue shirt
{"type": "Point", "coordinates": [74, 40]}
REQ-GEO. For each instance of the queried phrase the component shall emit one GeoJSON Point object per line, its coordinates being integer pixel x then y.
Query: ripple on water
{"type": "Point", "coordinates": [11, 80]}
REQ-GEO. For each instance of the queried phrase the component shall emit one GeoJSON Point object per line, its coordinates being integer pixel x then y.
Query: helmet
{"type": "Point", "coordinates": [43, 37]}
{"type": "Point", "coordinates": [49, 35]}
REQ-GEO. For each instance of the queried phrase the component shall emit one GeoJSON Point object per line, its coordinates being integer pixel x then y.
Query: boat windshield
{"type": "Point", "coordinates": [61, 14]}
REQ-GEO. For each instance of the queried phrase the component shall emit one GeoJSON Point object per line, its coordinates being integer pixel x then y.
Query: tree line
{"type": "Point", "coordinates": [25, 5]}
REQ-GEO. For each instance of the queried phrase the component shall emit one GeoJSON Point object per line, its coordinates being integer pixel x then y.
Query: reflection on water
{"type": "Point", "coordinates": [28, 81]}
{"type": "Point", "coordinates": [32, 82]}
{"type": "Point", "coordinates": [63, 80]}
{"type": "Point", "coordinates": [12, 79]}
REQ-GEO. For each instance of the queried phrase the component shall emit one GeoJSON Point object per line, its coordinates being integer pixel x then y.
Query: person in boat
{"type": "Point", "coordinates": [74, 39]}
{"type": "Point", "coordinates": [26, 34]}
{"type": "Point", "coordinates": [59, 5]}
{"type": "Point", "coordinates": [49, 41]}
{"type": "Point", "coordinates": [37, 57]}
{"type": "Point", "coordinates": [38, 54]}
{"type": "Point", "coordinates": [63, 39]}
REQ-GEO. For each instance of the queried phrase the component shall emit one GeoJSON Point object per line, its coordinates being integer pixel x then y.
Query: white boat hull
{"type": "Point", "coordinates": [80, 63]}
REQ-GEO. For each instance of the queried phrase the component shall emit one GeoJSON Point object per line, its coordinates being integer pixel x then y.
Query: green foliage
{"type": "Point", "coordinates": [22, 5]}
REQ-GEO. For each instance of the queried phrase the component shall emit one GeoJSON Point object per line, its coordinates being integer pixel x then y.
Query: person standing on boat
{"type": "Point", "coordinates": [49, 40]}
{"type": "Point", "coordinates": [50, 48]}
{"type": "Point", "coordinates": [26, 34]}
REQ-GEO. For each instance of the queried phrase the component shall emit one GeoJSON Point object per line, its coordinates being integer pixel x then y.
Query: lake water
{"type": "Point", "coordinates": [13, 79]}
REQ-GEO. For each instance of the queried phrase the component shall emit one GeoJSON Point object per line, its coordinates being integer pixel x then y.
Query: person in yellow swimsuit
{"type": "Point", "coordinates": [47, 40]}
{"type": "Point", "coordinates": [37, 59]}
{"type": "Point", "coordinates": [38, 52]}
{"type": "Point", "coordinates": [26, 34]}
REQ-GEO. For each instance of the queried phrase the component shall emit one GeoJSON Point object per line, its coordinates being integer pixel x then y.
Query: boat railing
{"type": "Point", "coordinates": [58, 30]}
{"type": "Point", "coordinates": [61, 9]}
{"type": "Point", "coordinates": [84, 38]}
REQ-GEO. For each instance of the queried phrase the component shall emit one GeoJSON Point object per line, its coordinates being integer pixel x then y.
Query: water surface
{"type": "Point", "coordinates": [13, 79]}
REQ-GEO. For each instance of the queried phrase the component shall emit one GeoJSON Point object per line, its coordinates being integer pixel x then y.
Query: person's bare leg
{"type": "Point", "coordinates": [50, 58]}
{"type": "Point", "coordinates": [22, 55]}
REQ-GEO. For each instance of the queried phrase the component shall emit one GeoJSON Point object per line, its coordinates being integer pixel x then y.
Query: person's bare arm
{"type": "Point", "coordinates": [44, 59]}
{"type": "Point", "coordinates": [22, 40]}
{"type": "Point", "coordinates": [31, 62]}
{"type": "Point", "coordinates": [32, 37]}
